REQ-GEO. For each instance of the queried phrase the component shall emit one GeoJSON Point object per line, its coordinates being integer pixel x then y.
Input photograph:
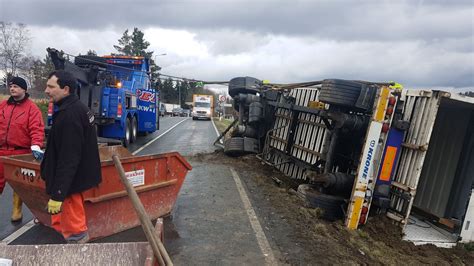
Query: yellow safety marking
{"type": "Point", "coordinates": [388, 163]}
{"type": "Point", "coordinates": [380, 115]}
{"type": "Point", "coordinates": [396, 86]}
{"type": "Point", "coordinates": [354, 221]}
{"type": "Point", "coordinates": [316, 105]}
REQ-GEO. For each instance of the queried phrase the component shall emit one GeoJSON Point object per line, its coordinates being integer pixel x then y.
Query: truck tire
{"type": "Point", "coordinates": [332, 206]}
{"type": "Point", "coordinates": [244, 85]}
{"type": "Point", "coordinates": [134, 130]}
{"type": "Point", "coordinates": [234, 146]}
{"type": "Point", "coordinates": [340, 92]}
{"type": "Point", "coordinates": [128, 134]}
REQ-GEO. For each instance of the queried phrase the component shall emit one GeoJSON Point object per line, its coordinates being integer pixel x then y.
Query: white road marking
{"type": "Point", "coordinates": [217, 131]}
{"type": "Point", "coordinates": [257, 228]}
{"type": "Point", "coordinates": [7, 240]}
{"type": "Point", "coordinates": [153, 140]}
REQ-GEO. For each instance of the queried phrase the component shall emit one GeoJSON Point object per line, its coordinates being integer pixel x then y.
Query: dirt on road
{"type": "Point", "coordinates": [299, 236]}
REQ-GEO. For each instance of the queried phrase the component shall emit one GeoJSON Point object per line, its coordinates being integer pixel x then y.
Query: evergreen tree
{"type": "Point", "coordinates": [158, 87]}
{"type": "Point", "coordinates": [139, 45]}
{"type": "Point", "coordinates": [182, 88]}
{"type": "Point", "coordinates": [134, 44]}
{"type": "Point", "coordinates": [40, 70]}
{"type": "Point", "coordinates": [168, 92]}
{"type": "Point", "coordinates": [125, 45]}
{"type": "Point", "coordinates": [91, 52]}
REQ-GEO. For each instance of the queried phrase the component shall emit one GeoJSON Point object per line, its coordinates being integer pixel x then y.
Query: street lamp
{"type": "Point", "coordinates": [154, 61]}
{"type": "Point", "coordinates": [154, 58]}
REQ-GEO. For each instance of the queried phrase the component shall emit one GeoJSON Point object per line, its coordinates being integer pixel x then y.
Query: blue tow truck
{"type": "Point", "coordinates": [117, 89]}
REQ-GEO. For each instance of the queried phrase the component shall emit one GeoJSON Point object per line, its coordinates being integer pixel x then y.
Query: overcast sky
{"type": "Point", "coordinates": [421, 44]}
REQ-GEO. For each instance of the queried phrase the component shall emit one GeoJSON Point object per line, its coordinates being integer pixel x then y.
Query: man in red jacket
{"type": "Point", "coordinates": [21, 131]}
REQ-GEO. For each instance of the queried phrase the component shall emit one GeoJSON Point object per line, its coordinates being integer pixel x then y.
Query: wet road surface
{"type": "Point", "coordinates": [209, 224]}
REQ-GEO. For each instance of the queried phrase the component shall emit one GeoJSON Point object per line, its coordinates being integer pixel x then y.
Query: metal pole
{"type": "Point", "coordinates": [223, 109]}
{"type": "Point", "coordinates": [158, 249]}
{"type": "Point", "coordinates": [179, 93]}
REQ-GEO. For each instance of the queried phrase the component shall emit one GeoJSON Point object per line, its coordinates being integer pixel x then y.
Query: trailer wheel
{"type": "Point", "coordinates": [244, 85]}
{"type": "Point", "coordinates": [234, 146]}
{"type": "Point", "coordinates": [340, 92]}
{"type": "Point", "coordinates": [128, 133]}
{"type": "Point", "coordinates": [332, 206]}
{"type": "Point", "coordinates": [134, 130]}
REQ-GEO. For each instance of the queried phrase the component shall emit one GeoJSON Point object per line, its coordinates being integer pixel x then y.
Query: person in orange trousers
{"type": "Point", "coordinates": [21, 131]}
{"type": "Point", "coordinates": [71, 163]}
{"type": "Point", "coordinates": [74, 224]}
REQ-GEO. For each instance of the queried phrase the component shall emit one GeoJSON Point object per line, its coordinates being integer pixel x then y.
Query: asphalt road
{"type": "Point", "coordinates": [210, 222]}
{"type": "Point", "coordinates": [6, 227]}
{"type": "Point", "coordinates": [188, 138]}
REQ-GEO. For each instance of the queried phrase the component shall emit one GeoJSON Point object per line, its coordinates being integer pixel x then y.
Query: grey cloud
{"type": "Point", "coordinates": [419, 43]}
{"type": "Point", "coordinates": [231, 42]}
{"type": "Point", "coordinates": [344, 20]}
{"type": "Point", "coordinates": [412, 63]}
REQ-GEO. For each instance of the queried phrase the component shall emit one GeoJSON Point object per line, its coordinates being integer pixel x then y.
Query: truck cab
{"type": "Point", "coordinates": [202, 106]}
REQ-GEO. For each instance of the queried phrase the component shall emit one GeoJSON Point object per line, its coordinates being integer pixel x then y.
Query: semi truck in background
{"type": "Point", "coordinates": [117, 89]}
{"type": "Point", "coordinates": [203, 106]}
{"type": "Point", "coordinates": [169, 108]}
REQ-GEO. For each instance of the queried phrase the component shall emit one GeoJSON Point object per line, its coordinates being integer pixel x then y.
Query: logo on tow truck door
{"type": "Point", "coordinates": [148, 99]}
{"type": "Point", "coordinates": [146, 96]}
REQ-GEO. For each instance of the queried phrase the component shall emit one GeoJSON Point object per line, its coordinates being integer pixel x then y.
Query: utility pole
{"type": "Point", "coordinates": [179, 95]}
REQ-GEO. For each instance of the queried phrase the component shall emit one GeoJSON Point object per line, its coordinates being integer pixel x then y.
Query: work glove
{"type": "Point", "coordinates": [37, 152]}
{"type": "Point", "coordinates": [54, 207]}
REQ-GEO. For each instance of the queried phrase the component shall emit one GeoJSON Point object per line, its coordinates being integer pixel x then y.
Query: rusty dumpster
{"type": "Point", "coordinates": [157, 179]}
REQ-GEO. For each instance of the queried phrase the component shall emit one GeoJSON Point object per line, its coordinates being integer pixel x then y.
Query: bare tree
{"type": "Point", "coordinates": [14, 39]}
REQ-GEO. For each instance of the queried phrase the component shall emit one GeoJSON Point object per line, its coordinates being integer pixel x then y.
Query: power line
{"type": "Point", "coordinates": [174, 78]}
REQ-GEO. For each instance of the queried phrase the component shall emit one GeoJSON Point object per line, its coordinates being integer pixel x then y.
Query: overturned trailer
{"type": "Point", "coordinates": [355, 144]}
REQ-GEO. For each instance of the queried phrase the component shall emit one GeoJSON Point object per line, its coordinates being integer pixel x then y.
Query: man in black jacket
{"type": "Point", "coordinates": [71, 162]}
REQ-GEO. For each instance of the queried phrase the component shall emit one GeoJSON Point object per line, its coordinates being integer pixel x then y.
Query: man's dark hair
{"type": "Point", "coordinates": [65, 79]}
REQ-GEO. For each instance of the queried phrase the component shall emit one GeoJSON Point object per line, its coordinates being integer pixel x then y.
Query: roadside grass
{"type": "Point", "coordinates": [221, 124]}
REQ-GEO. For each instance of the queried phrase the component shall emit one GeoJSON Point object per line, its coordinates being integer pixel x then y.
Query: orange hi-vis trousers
{"type": "Point", "coordinates": [72, 219]}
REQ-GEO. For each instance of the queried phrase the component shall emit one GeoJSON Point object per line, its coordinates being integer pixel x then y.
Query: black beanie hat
{"type": "Point", "coordinates": [19, 81]}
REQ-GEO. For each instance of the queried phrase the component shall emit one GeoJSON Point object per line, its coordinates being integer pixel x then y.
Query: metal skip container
{"type": "Point", "coordinates": [156, 178]}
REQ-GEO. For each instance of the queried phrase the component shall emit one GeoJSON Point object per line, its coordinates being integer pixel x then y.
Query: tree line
{"type": "Point", "coordinates": [15, 59]}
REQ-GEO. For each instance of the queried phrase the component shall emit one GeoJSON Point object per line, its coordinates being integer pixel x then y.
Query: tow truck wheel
{"type": "Point", "coordinates": [128, 133]}
{"type": "Point", "coordinates": [134, 130]}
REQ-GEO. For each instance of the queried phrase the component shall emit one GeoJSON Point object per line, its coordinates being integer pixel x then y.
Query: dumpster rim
{"type": "Point", "coordinates": [12, 160]}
